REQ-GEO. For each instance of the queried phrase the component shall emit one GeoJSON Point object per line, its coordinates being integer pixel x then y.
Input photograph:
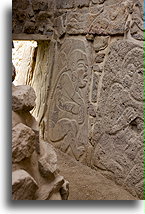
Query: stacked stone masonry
{"type": "Point", "coordinates": [88, 78]}
{"type": "Point", "coordinates": [35, 175]}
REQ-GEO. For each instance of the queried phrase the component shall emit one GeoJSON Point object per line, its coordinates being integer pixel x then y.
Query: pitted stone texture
{"type": "Point", "coordinates": [137, 24]}
{"type": "Point", "coordinates": [77, 23]}
{"type": "Point", "coordinates": [118, 132]}
{"type": "Point", "coordinates": [23, 186]}
{"type": "Point", "coordinates": [100, 43]}
{"type": "Point", "coordinates": [23, 142]}
{"type": "Point", "coordinates": [23, 98]}
{"type": "Point", "coordinates": [111, 21]}
{"type": "Point", "coordinates": [100, 20]}
{"type": "Point", "coordinates": [99, 58]}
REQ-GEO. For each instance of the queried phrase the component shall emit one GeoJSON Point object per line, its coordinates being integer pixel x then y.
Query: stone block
{"type": "Point", "coordinates": [23, 142]}
{"type": "Point", "coordinates": [23, 186]}
{"type": "Point", "coordinates": [23, 98]}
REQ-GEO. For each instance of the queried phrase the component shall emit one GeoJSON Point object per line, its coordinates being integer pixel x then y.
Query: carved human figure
{"type": "Point", "coordinates": [67, 112]}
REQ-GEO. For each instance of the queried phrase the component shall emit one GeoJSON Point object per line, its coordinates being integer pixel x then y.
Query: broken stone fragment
{"type": "Point", "coordinates": [23, 98]}
{"type": "Point", "coordinates": [64, 191]}
{"type": "Point", "coordinates": [47, 190]}
{"type": "Point", "coordinates": [56, 197]}
{"type": "Point", "coordinates": [23, 142]}
{"type": "Point", "coordinates": [47, 162]}
{"type": "Point", "coordinates": [23, 186]}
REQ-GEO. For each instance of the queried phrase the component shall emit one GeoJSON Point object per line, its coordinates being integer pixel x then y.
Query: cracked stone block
{"type": "Point", "coordinates": [23, 185]}
{"type": "Point", "coordinates": [23, 142]}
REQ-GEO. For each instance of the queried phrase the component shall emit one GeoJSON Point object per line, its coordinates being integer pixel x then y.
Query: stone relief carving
{"type": "Point", "coordinates": [119, 119]}
{"type": "Point", "coordinates": [68, 111]}
{"type": "Point", "coordinates": [94, 106]}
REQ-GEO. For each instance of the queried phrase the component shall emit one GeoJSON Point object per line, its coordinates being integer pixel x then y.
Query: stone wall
{"type": "Point", "coordinates": [35, 174]}
{"type": "Point", "coordinates": [88, 78]}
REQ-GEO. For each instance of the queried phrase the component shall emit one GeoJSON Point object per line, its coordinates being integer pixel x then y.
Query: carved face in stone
{"type": "Point", "coordinates": [78, 66]}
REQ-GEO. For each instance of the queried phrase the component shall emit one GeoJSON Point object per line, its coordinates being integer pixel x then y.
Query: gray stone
{"type": "Point", "coordinates": [23, 142]}
{"type": "Point", "coordinates": [96, 78]}
{"type": "Point", "coordinates": [100, 43]}
{"type": "Point", "coordinates": [46, 191]}
{"type": "Point", "coordinates": [47, 161]}
{"type": "Point", "coordinates": [64, 4]}
{"type": "Point", "coordinates": [68, 112]}
{"type": "Point", "coordinates": [99, 58]}
{"type": "Point", "coordinates": [98, 1]}
{"type": "Point", "coordinates": [120, 115]}
{"type": "Point", "coordinates": [29, 27]}
{"type": "Point", "coordinates": [23, 98]}
{"type": "Point", "coordinates": [23, 186]}
{"type": "Point", "coordinates": [97, 68]}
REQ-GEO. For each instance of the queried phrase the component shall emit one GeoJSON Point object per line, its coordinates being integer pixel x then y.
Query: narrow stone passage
{"type": "Point", "coordinates": [87, 184]}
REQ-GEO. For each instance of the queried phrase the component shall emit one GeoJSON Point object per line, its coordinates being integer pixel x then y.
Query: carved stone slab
{"type": "Point", "coordinates": [118, 132]}
{"type": "Point", "coordinates": [67, 116]}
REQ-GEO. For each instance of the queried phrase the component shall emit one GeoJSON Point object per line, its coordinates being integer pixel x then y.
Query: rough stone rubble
{"type": "Point", "coordinates": [35, 175]}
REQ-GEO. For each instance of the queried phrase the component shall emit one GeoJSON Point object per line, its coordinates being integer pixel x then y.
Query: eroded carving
{"type": "Point", "coordinates": [119, 120]}
{"type": "Point", "coordinates": [67, 114]}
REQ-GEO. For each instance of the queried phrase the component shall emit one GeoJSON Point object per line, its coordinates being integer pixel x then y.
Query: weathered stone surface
{"type": "Point", "coordinates": [137, 20]}
{"type": "Point", "coordinates": [59, 25]}
{"type": "Point", "coordinates": [23, 98]}
{"type": "Point", "coordinates": [29, 27]}
{"type": "Point", "coordinates": [64, 4]}
{"type": "Point", "coordinates": [89, 83]}
{"type": "Point", "coordinates": [96, 78]}
{"type": "Point", "coordinates": [80, 3]}
{"type": "Point", "coordinates": [21, 182]}
{"type": "Point", "coordinates": [96, 68]}
{"type": "Point", "coordinates": [47, 161]}
{"type": "Point", "coordinates": [98, 1]}
{"type": "Point", "coordinates": [77, 23]}
{"type": "Point", "coordinates": [100, 43]}
{"type": "Point", "coordinates": [99, 58]}
{"type": "Point", "coordinates": [120, 115]}
{"type": "Point", "coordinates": [26, 118]}
{"type": "Point", "coordinates": [67, 122]}
{"type": "Point", "coordinates": [47, 190]}
{"type": "Point", "coordinates": [111, 21]}
{"type": "Point", "coordinates": [90, 37]}
{"type": "Point", "coordinates": [23, 142]}
{"type": "Point", "coordinates": [55, 197]}
{"type": "Point", "coordinates": [64, 191]}
{"type": "Point", "coordinates": [68, 4]}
